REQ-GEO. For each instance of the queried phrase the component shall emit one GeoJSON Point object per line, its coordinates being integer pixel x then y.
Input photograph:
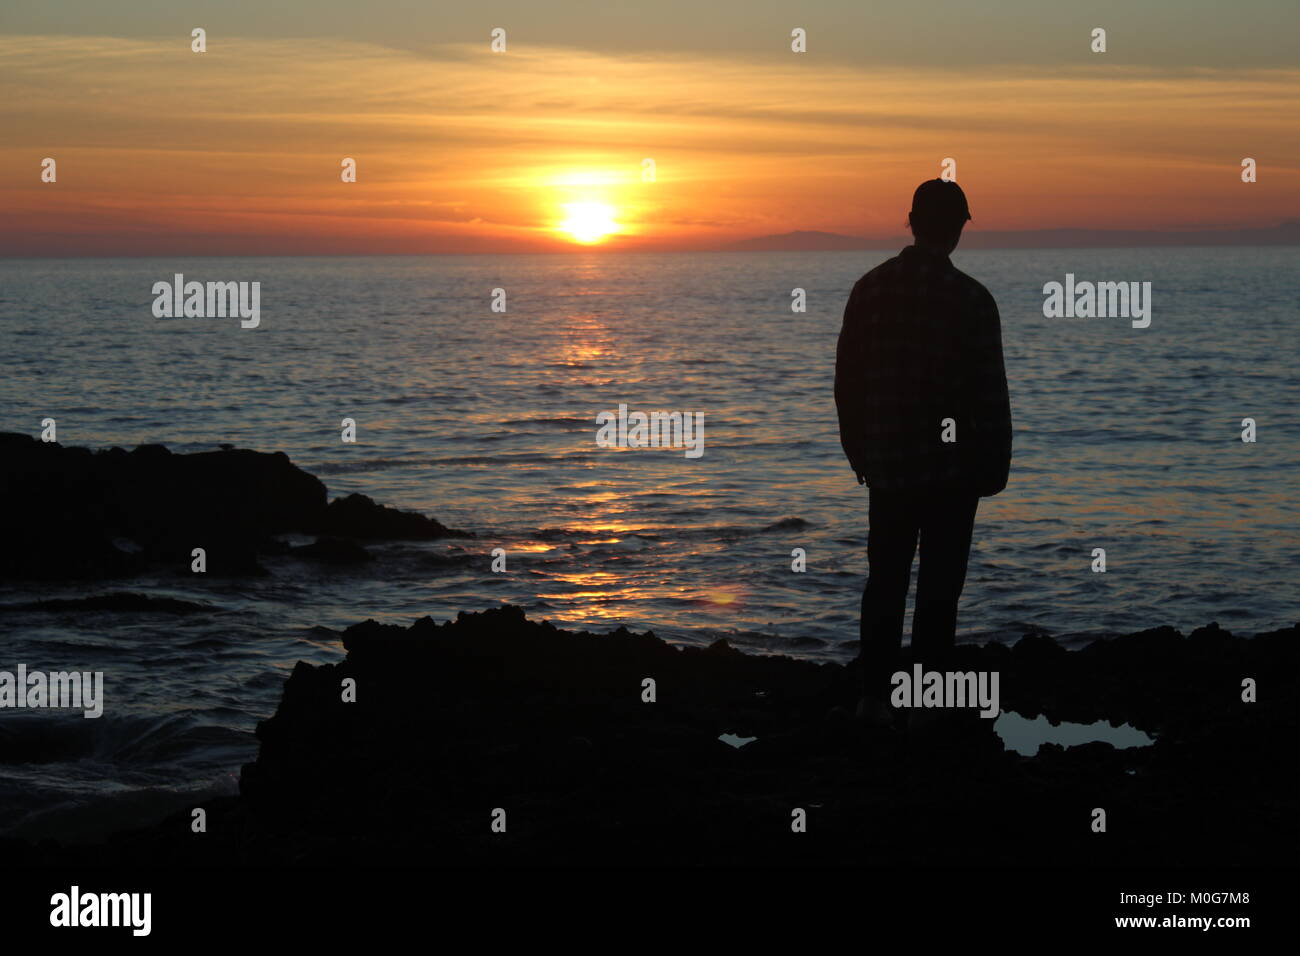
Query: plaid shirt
{"type": "Point", "coordinates": [922, 342]}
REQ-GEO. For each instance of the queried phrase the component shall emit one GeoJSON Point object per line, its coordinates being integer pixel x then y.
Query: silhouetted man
{"type": "Point", "coordinates": [925, 421]}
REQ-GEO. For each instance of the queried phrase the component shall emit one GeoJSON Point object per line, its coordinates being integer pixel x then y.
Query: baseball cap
{"type": "Point", "coordinates": [940, 200]}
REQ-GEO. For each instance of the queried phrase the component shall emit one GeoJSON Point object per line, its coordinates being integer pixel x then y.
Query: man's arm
{"type": "Point", "coordinates": [850, 386]}
{"type": "Point", "coordinates": [987, 398]}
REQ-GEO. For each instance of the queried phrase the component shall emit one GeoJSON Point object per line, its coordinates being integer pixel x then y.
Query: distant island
{"type": "Point", "coordinates": [1285, 234]}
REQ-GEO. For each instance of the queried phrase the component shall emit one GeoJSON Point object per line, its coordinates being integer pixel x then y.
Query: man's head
{"type": "Point", "coordinates": [939, 212]}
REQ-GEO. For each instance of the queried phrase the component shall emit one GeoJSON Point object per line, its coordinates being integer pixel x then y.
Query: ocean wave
{"type": "Point", "coordinates": [786, 524]}
{"type": "Point", "coordinates": [122, 602]}
{"type": "Point", "coordinates": [365, 464]}
{"type": "Point", "coordinates": [560, 420]}
{"type": "Point", "coordinates": [41, 737]}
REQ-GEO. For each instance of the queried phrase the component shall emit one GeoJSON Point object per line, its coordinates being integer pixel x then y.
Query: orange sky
{"type": "Point", "coordinates": [237, 150]}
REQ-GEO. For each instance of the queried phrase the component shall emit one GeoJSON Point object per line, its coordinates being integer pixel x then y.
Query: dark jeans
{"type": "Point", "coordinates": [943, 520]}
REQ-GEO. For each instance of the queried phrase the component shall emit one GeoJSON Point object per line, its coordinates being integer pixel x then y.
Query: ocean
{"type": "Point", "coordinates": [1126, 439]}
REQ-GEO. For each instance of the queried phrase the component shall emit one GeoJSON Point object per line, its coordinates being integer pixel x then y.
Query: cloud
{"type": "Point", "coordinates": [148, 132]}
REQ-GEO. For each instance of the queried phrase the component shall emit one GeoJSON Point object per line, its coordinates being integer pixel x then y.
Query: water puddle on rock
{"type": "Point", "coordinates": [1026, 736]}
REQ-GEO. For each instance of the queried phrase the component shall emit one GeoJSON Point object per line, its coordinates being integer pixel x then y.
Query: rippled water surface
{"type": "Point", "coordinates": [1126, 439]}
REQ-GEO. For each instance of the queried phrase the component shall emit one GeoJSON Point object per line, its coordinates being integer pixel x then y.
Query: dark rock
{"type": "Point", "coordinates": [493, 710]}
{"type": "Point", "coordinates": [357, 516]}
{"type": "Point", "coordinates": [64, 509]}
{"type": "Point", "coordinates": [550, 725]}
{"type": "Point", "coordinates": [338, 551]}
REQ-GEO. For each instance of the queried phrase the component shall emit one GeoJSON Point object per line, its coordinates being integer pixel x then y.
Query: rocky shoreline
{"type": "Point", "coordinates": [73, 513]}
{"type": "Point", "coordinates": [454, 722]}
{"type": "Point", "coordinates": [491, 711]}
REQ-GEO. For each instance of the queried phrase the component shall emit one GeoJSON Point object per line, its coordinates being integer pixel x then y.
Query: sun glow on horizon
{"type": "Point", "coordinates": [737, 152]}
{"type": "Point", "coordinates": [589, 222]}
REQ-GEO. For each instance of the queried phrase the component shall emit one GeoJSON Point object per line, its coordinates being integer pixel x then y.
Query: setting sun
{"type": "Point", "coordinates": [589, 222]}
